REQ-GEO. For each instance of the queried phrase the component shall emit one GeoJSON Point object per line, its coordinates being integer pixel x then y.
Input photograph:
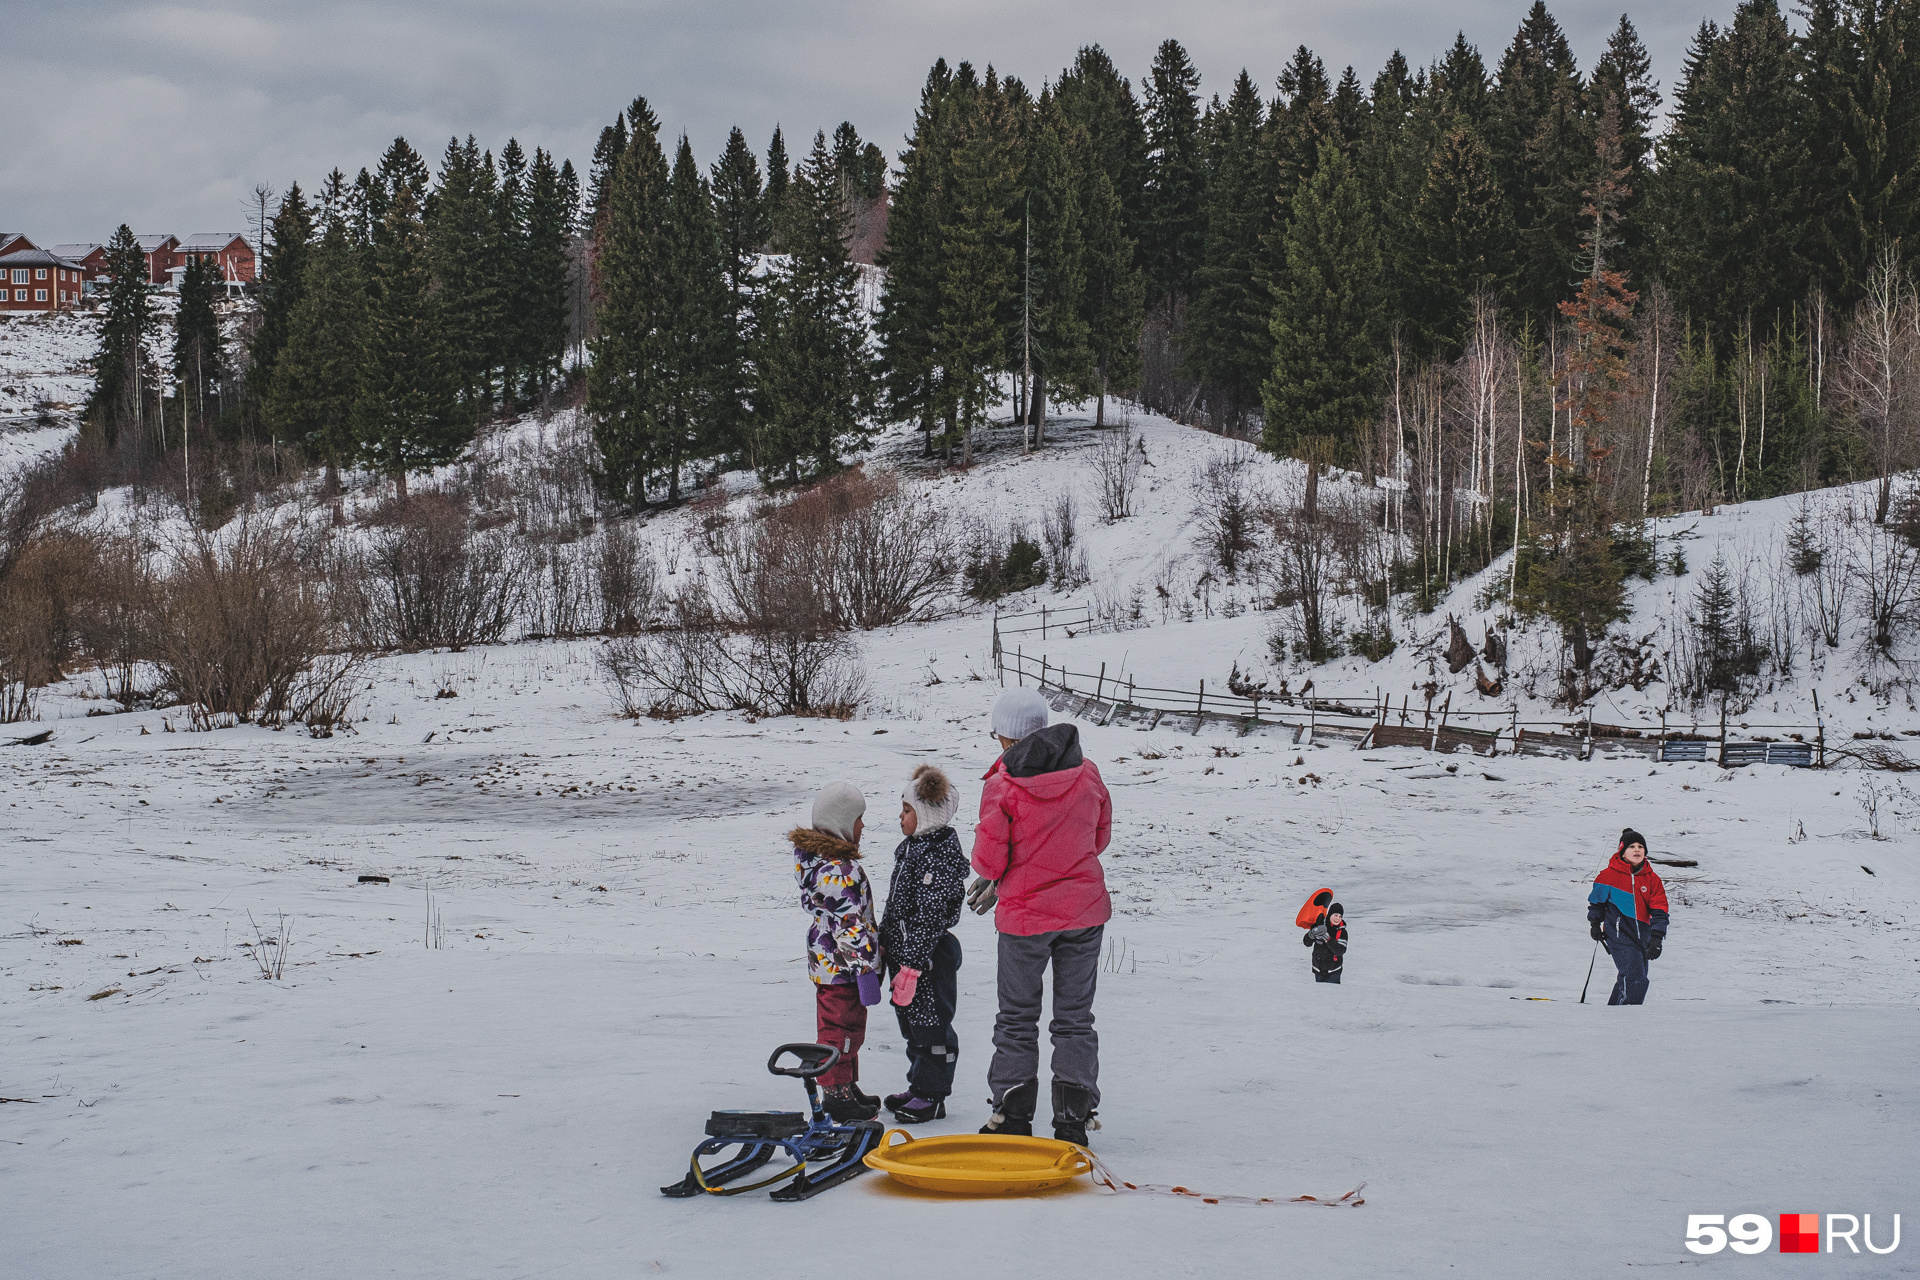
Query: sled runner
{"type": "Point", "coordinates": [808, 1137]}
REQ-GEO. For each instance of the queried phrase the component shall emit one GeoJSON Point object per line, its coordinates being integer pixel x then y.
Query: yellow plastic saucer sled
{"type": "Point", "coordinates": [978, 1164]}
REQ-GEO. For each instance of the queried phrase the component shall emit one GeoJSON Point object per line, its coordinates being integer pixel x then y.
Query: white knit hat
{"type": "Point", "coordinates": [837, 808]}
{"type": "Point", "coordinates": [932, 798]}
{"type": "Point", "coordinates": [1019, 712]}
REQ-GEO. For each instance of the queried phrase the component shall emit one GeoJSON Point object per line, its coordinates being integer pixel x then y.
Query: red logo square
{"type": "Point", "coordinates": [1799, 1233]}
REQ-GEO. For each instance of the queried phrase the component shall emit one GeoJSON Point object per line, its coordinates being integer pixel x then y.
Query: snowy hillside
{"type": "Point", "coordinates": [587, 939]}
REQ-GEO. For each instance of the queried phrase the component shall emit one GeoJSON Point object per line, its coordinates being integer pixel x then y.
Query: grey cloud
{"type": "Point", "coordinates": [166, 115]}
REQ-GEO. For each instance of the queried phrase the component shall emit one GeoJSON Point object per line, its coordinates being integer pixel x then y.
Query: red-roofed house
{"type": "Point", "coordinates": [162, 254]}
{"type": "Point", "coordinates": [35, 280]}
{"type": "Point", "coordinates": [91, 257]}
{"type": "Point", "coordinates": [227, 250]}
{"type": "Point", "coordinates": [13, 242]}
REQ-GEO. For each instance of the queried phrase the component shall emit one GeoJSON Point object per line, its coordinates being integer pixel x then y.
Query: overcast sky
{"type": "Point", "coordinates": [166, 116]}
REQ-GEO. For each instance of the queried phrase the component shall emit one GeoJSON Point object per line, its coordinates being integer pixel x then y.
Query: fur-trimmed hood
{"type": "Point", "coordinates": [818, 844]}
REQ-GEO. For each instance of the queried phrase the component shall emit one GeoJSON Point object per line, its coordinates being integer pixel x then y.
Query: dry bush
{"type": "Point", "coordinates": [44, 600]}
{"type": "Point", "coordinates": [626, 580]}
{"type": "Point", "coordinates": [238, 622]}
{"type": "Point", "coordinates": [874, 554]}
{"type": "Point", "coordinates": [1117, 461]}
{"type": "Point", "coordinates": [1059, 533]}
{"type": "Point", "coordinates": [431, 581]}
{"type": "Point", "coordinates": [117, 628]}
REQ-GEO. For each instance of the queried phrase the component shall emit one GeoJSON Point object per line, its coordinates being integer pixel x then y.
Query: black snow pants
{"type": "Point", "coordinates": [926, 1024]}
{"type": "Point", "coordinates": [1629, 957]}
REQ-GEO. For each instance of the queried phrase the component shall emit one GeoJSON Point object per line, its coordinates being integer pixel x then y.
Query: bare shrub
{"type": "Point", "coordinates": [1059, 533]}
{"type": "Point", "coordinates": [626, 580]}
{"type": "Point", "coordinates": [237, 622]}
{"type": "Point", "coordinates": [878, 554]}
{"type": "Point", "coordinates": [1117, 462]}
{"type": "Point", "coordinates": [432, 581]}
{"type": "Point", "coordinates": [1314, 548]}
{"type": "Point", "coordinates": [43, 602]}
{"type": "Point", "coordinates": [117, 630]}
{"type": "Point", "coordinates": [561, 596]}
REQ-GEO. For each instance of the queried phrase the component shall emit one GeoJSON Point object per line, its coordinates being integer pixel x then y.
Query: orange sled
{"type": "Point", "coordinates": [1315, 909]}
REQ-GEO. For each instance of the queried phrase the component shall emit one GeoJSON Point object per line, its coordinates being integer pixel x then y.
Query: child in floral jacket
{"type": "Point", "coordinates": [924, 898]}
{"type": "Point", "coordinates": [843, 945]}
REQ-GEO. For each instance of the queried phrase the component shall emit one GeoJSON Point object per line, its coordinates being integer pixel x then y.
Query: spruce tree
{"type": "Point", "coordinates": [1734, 233]}
{"type": "Point", "coordinates": [1624, 75]}
{"type": "Point", "coordinates": [1176, 178]}
{"type": "Point", "coordinates": [197, 356]}
{"type": "Point", "coordinates": [1228, 343]}
{"type": "Point", "coordinates": [122, 378]}
{"type": "Point", "coordinates": [1326, 319]}
{"type": "Point", "coordinates": [1459, 223]}
{"type": "Point", "coordinates": [978, 277]}
{"type": "Point", "coordinates": [816, 377]}
{"type": "Point", "coordinates": [1541, 144]}
{"type": "Point", "coordinates": [409, 412]}
{"type": "Point", "coordinates": [910, 307]}
{"type": "Point", "coordinates": [513, 278]}
{"type": "Point", "coordinates": [1116, 293]}
{"type": "Point", "coordinates": [740, 214]}
{"type": "Point", "coordinates": [283, 273]}
{"type": "Point", "coordinates": [623, 380]}
{"type": "Point", "coordinates": [606, 154]}
{"type": "Point", "coordinates": [1059, 161]}
{"type": "Point", "coordinates": [695, 353]}
{"type": "Point", "coordinates": [464, 251]}
{"type": "Point", "coordinates": [779, 180]}
{"type": "Point", "coordinates": [552, 205]}
{"type": "Point", "coordinates": [311, 398]}
{"type": "Point", "coordinates": [1095, 96]}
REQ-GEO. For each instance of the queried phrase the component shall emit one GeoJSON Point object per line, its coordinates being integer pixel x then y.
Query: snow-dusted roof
{"type": "Point", "coordinates": [209, 241]}
{"type": "Point", "coordinates": [149, 243]}
{"type": "Point", "coordinates": [74, 251]}
{"type": "Point", "coordinates": [35, 258]}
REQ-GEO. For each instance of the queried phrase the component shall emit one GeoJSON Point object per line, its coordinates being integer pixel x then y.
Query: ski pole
{"type": "Point", "coordinates": [1590, 964]}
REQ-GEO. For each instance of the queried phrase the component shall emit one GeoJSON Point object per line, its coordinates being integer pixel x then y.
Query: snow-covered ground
{"type": "Point", "coordinates": [489, 1065]}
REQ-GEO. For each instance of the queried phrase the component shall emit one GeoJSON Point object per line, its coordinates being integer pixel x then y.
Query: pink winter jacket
{"type": "Point", "coordinates": [1045, 818]}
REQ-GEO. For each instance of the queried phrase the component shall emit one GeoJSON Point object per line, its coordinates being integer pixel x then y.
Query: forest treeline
{"type": "Point", "coordinates": [1503, 290]}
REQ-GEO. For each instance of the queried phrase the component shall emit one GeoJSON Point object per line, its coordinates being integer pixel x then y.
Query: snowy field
{"type": "Point", "coordinates": [489, 1065]}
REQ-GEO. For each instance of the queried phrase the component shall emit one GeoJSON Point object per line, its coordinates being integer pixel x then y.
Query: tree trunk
{"type": "Point", "coordinates": [1039, 398]}
{"type": "Point", "coordinates": [400, 484]}
{"type": "Point", "coordinates": [1100, 411]}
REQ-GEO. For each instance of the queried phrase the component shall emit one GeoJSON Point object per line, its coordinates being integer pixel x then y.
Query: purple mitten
{"type": "Point", "coordinates": [869, 984]}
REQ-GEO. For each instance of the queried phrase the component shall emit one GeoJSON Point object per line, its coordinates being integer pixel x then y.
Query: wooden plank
{"type": "Point", "coordinates": [1395, 735]}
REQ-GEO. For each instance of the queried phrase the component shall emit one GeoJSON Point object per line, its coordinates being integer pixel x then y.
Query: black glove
{"type": "Point", "coordinates": [1653, 947]}
{"type": "Point", "coordinates": [1596, 931]}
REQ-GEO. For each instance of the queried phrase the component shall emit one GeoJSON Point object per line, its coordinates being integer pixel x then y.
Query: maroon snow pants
{"type": "Point", "coordinates": [843, 1024]}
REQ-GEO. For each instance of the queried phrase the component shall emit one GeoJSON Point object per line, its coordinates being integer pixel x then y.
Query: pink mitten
{"type": "Point", "coordinates": [904, 983]}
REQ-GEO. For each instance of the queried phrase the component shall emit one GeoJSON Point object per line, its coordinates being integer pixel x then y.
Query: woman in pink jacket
{"type": "Point", "coordinates": [1045, 818]}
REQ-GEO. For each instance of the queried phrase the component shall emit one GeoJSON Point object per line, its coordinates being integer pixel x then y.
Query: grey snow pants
{"type": "Point", "coordinates": [1075, 957]}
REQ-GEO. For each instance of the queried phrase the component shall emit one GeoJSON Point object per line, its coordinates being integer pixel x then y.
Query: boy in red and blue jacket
{"type": "Point", "coordinates": [1627, 909]}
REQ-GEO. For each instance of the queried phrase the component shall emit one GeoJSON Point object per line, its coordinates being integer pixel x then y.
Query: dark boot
{"type": "Point", "coordinates": [1072, 1112]}
{"type": "Point", "coordinates": [916, 1110]}
{"type": "Point", "coordinates": [843, 1105]}
{"type": "Point", "coordinates": [1014, 1115]}
{"type": "Point", "coordinates": [866, 1099]}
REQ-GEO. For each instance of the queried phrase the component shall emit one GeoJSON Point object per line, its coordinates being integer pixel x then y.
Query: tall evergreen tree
{"type": "Point", "coordinates": [816, 389]}
{"type": "Point", "coordinates": [1176, 178]}
{"type": "Point", "coordinates": [740, 215]}
{"type": "Point", "coordinates": [1624, 75]}
{"type": "Point", "coordinates": [311, 397]}
{"type": "Point", "coordinates": [1059, 163]}
{"type": "Point", "coordinates": [515, 283]}
{"type": "Point", "coordinates": [624, 380]}
{"type": "Point", "coordinates": [779, 180]}
{"type": "Point", "coordinates": [1541, 145]}
{"type": "Point", "coordinates": [409, 412]}
{"type": "Point", "coordinates": [910, 307]}
{"type": "Point", "coordinates": [979, 271]}
{"type": "Point", "coordinates": [122, 378]}
{"type": "Point", "coordinates": [606, 154]}
{"type": "Point", "coordinates": [695, 354]}
{"type": "Point", "coordinates": [1227, 343]}
{"type": "Point", "coordinates": [1459, 221]}
{"type": "Point", "coordinates": [464, 250]}
{"type": "Point", "coordinates": [1460, 85]}
{"type": "Point", "coordinates": [1100, 100]}
{"type": "Point", "coordinates": [1115, 297]}
{"type": "Point", "coordinates": [553, 197]}
{"type": "Point", "coordinates": [197, 357]}
{"type": "Point", "coordinates": [283, 272]}
{"type": "Point", "coordinates": [1326, 320]}
{"type": "Point", "coordinates": [1733, 220]}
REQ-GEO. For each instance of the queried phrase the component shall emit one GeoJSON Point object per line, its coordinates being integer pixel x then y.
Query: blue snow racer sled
{"type": "Point", "coordinates": [809, 1138]}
